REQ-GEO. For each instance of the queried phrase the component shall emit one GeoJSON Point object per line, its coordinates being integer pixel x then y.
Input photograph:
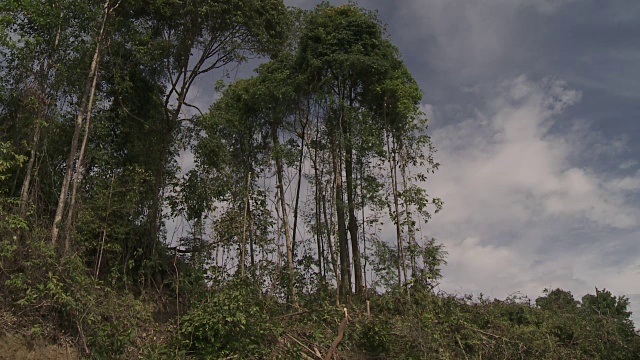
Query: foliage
{"type": "Point", "coordinates": [232, 320]}
{"type": "Point", "coordinates": [47, 293]}
{"type": "Point", "coordinates": [425, 325]}
{"type": "Point", "coordinates": [558, 300]}
{"type": "Point", "coordinates": [10, 222]}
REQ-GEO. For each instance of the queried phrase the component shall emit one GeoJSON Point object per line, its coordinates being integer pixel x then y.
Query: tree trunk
{"type": "Point", "coordinates": [179, 92]}
{"type": "Point", "coordinates": [327, 226]}
{"type": "Point", "coordinates": [345, 266]}
{"type": "Point", "coordinates": [103, 237]}
{"type": "Point", "coordinates": [79, 168]}
{"type": "Point", "coordinates": [364, 234]}
{"type": "Point", "coordinates": [394, 189]}
{"type": "Point", "coordinates": [244, 227]}
{"type": "Point", "coordinates": [285, 219]}
{"type": "Point", "coordinates": [319, 226]}
{"type": "Point", "coordinates": [327, 229]}
{"type": "Point", "coordinates": [251, 237]}
{"type": "Point", "coordinates": [24, 191]}
{"type": "Point", "coordinates": [297, 201]}
{"type": "Point", "coordinates": [82, 111]}
{"type": "Point", "coordinates": [411, 231]}
{"type": "Point", "coordinates": [353, 223]}
{"type": "Point", "coordinates": [278, 237]}
{"type": "Point", "coordinates": [332, 244]}
{"type": "Point", "coordinates": [397, 206]}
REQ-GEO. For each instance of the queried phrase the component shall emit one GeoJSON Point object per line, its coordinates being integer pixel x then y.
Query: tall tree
{"type": "Point", "coordinates": [38, 58]}
{"type": "Point", "coordinates": [247, 125]}
{"type": "Point", "coordinates": [345, 55]}
{"type": "Point", "coordinates": [73, 165]}
{"type": "Point", "coordinates": [200, 37]}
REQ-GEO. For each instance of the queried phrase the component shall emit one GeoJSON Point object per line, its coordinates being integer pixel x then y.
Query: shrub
{"type": "Point", "coordinates": [230, 321]}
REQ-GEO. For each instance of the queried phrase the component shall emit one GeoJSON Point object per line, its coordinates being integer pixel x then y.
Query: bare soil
{"type": "Point", "coordinates": [17, 347]}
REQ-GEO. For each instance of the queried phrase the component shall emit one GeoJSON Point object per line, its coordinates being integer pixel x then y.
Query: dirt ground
{"type": "Point", "coordinates": [16, 347]}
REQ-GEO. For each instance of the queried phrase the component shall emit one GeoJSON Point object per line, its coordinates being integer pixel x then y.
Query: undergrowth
{"type": "Point", "coordinates": [62, 302]}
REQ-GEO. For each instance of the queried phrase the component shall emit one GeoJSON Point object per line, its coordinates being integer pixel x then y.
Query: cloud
{"type": "Point", "coordinates": [469, 37]}
{"type": "Point", "coordinates": [519, 214]}
{"type": "Point", "coordinates": [628, 164]}
{"type": "Point", "coordinates": [549, 6]}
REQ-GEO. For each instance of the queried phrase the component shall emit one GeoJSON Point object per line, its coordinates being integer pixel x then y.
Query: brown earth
{"type": "Point", "coordinates": [16, 347]}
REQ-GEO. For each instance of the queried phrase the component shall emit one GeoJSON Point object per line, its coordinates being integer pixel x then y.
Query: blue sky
{"type": "Point", "coordinates": [534, 107]}
{"type": "Point", "coordinates": [535, 112]}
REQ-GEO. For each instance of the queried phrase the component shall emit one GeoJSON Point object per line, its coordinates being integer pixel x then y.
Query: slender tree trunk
{"type": "Point", "coordinates": [244, 227]}
{"type": "Point", "coordinates": [397, 206]}
{"type": "Point", "coordinates": [332, 244]}
{"type": "Point", "coordinates": [278, 235]}
{"type": "Point", "coordinates": [104, 230]}
{"type": "Point", "coordinates": [336, 139]}
{"type": "Point", "coordinates": [24, 191]}
{"type": "Point", "coordinates": [398, 230]}
{"type": "Point", "coordinates": [402, 267]}
{"type": "Point", "coordinates": [364, 234]}
{"type": "Point", "coordinates": [345, 267]}
{"type": "Point", "coordinates": [155, 213]}
{"type": "Point", "coordinates": [328, 229]}
{"type": "Point", "coordinates": [198, 241]}
{"type": "Point", "coordinates": [251, 237]}
{"type": "Point", "coordinates": [318, 226]}
{"type": "Point", "coordinates": [411, 231]}
{"type": "Point", "coordinates": [218, 245]}
{"type": "Point", "coordinates": [353, 223]}
{"type": "Point", "coordinates": [318, 186]}
{"type": "Point", "coordinates": [295, 209]}
{"type": "Point", "coordinates": [170, 122]}
{"type": "Point", "coordinates": [79, 168]}
{"type": "Point", "coordinates": [327, 226]}
{"type": "Point", "coordinates": [82, 112]}
{"type": "Point", "coordinates": [285, 220]}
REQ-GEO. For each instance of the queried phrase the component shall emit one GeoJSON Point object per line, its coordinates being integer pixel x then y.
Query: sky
{"type": "Point", "coordinates": [534, 108]}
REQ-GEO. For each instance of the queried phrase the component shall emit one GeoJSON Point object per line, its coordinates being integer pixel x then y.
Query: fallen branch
{"type": "Point", "coordinates": [290, 315]}
{"type": "Point", "coordinates": [343, 325]}
{"type": "Point", "coordinates": [462, 347]}
{"type": "Point", "coordinates": [304, 347]}
{"type": "Point", "coordinates": [490, 334]}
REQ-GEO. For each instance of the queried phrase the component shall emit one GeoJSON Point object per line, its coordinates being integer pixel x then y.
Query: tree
{"type": "Point", "coordinates": [605, 304]}
{"type": "Point", "coordinates": [344, 55]}
{"type": "Point", "coordinates": [347, 84]}
{"type": "Point", "coordinates": [39, 56]}
{"type": "Point", "coordinates": [74, 160]}
{"type": "Point", "coordinates": [557, 300]}
{"type": "Point", "coordinates": [246, 125]}
{"type": "Point", "coordinates": [199, 37]}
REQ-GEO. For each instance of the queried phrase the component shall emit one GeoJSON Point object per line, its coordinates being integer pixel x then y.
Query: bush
{"type": "Point", "coordinates": [231, 321]}
{"type": "Point", "coordinates": [60, 296]}
{"type": "Point", "coordinates": [375, 337]}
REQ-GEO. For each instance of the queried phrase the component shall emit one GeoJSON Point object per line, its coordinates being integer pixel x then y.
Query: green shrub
{"type": "Point", "coordinates": [63, 295]}
{"type": "Point", "coordinates": [375, 336]}
{"type": "Point", "coordinates": [230, 321]}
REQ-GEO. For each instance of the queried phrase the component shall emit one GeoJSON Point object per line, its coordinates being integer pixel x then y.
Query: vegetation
{"type": "Point", "coordinates": [296, 171]}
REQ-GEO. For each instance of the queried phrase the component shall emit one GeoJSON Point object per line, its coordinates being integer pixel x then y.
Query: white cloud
{"type": "Point", "coordinates": [627, 183]}
{"type": "Point", "coordinates": [628, 164]}
{"type": "Point", "coordinates": [427, 109]}
{"type": "Point", "coordinates": [516, 209]}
